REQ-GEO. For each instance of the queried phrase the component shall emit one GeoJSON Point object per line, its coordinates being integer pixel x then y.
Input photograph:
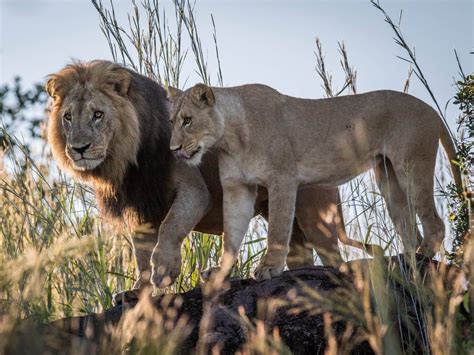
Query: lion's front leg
{"type": "Point", "coordinates": [143, 244]}
{"type": "Point", "coordinates": [166, 257]}
{"type": "Point", "coordinates": [191, 203]}
{"type": "Point", "coordinates": [281, 208]}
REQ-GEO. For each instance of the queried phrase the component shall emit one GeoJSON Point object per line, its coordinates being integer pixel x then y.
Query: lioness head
{"type": "Point", "coordinates": [196, 123]}
{"type": "Point", "coordinates": [93, 128]}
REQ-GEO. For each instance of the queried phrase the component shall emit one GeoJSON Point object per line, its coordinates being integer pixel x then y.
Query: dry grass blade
{"type": "Point", "coordinates": [400, 40]}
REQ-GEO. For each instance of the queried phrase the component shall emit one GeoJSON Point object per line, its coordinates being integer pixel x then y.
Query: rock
{"type": "Point", "coordinates": [303, 332]}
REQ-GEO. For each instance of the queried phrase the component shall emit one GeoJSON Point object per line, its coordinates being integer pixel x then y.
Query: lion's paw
{"type": "Point", "coordinates": [130, 296]}
{"type": "Point", "coordinates": [207, 274]}
{"type": "Point", "coordinates": [266, 272]}
{"type": "Point", "coordinates": [164, 275]}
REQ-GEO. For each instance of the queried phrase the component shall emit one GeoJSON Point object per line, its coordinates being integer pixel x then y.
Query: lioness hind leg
{"type": "Point", "coordinates": [398, 207]}
{"type": "Point", "coordinates": [418, 181]}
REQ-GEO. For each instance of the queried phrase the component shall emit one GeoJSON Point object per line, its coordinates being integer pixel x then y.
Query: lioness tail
{"type": "Point", "coordinates": [450, 149]}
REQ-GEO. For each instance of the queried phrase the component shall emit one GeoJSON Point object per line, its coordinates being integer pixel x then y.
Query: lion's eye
{"type": "Point", "coordinates": [186, 121]}
{"type": "Point", "coordinates": [98, 115]}
{"type": "Point", "coordinates": [67, 116]}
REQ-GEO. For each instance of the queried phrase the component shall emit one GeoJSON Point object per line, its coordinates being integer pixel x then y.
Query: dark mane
{"type": "Point", "coordinates": [144, 195]}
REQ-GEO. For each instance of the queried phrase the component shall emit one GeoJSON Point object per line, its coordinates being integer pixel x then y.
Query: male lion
{"type": "Point", "coordinates": [280, 142]}
{"type": "Point", "coordinates": [109, 127]}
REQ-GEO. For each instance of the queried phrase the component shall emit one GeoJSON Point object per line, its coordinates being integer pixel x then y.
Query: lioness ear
{"type": "Point", "coordinates": [173, 93]}
{"type": "Point", "coordinates": [119, 80]}
{"type": "Point", "coordinates": [203, 95]}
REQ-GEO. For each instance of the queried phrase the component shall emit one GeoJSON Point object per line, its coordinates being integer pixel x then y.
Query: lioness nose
{"type": "Point", "coordinates": [174, 148]}
{"type": "Point", "coordinates": [82, 149]}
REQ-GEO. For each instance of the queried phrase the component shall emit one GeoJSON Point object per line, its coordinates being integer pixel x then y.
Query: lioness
{"type": "Point", "coordinates": [280, 142]}
{"type": "Point", "coordinates": [109, 127]}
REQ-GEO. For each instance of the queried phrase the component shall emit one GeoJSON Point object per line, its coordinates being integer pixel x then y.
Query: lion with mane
{"type": "Point", "coordinates": [109, 127]}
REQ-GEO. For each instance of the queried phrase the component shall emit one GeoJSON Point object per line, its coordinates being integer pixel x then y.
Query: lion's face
{"type": "Point", "coordinates": [93, 128]}
{"type": "Point", "coordinates": [196, 124]}
{"type": "Point", "coordinates": [89, 120]}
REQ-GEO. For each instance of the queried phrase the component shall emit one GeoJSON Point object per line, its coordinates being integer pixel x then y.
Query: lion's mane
{"type": "Point", "coordinates": [131, 183]}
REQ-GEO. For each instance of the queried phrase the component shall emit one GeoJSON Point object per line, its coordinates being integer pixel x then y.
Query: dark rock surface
{"type": "Point", "coordinates": [303, 332]}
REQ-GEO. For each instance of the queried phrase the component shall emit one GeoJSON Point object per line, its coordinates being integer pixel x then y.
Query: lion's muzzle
{"type": "Point", "coordinates": [81, 149]}
{"type": "Point", "coordinates": [85, 156]}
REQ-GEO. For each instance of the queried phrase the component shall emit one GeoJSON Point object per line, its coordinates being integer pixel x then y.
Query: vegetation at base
{"type": "Point", "coordinates": [461, 200]}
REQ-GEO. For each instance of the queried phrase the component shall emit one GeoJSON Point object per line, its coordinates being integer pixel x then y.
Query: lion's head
{"type": "Point", "coordinates": [196, 124]}
{"type": "Point", "coordinates": [93, 128]}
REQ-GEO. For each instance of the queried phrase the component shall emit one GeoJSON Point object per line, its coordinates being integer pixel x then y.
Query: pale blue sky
{"type": "Point", "coordinates": [269, 42]}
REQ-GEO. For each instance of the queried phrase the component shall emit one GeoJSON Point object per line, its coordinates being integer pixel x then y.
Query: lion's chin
{"type": "Point", "coordinates": [86, 164]}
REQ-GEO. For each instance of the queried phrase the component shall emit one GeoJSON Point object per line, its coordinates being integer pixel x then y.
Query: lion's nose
{"type": "Point", "coordinates": [174, 148]}
{"type": "Point", "coordinates": [82, 149]}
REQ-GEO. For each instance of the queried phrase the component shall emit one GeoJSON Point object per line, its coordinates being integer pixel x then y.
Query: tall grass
{"type": "Point", "coordinates": [58, 258]}
{"type": "Point", "coordinates": [45, 216]}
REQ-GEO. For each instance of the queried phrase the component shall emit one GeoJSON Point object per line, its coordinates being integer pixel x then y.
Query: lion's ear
{"type": "Point", "coordinates": [173, 93]}
{"type": "Point", "coordinates": [49, 87]}
{"type": "Point", "coordinates": [118, 79]}
{"type": "Point", "coordinates": [55, 86]}
{"type": "Point", "coordinates": [203, 95]}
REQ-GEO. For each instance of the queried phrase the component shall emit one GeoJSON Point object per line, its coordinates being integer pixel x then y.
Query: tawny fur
{"type": "Point", "coordinates": [77, 83]}
{"type": "Point", "coordinates": [139, 182]}
{"type": "Point", "coordinates": [283, 143]}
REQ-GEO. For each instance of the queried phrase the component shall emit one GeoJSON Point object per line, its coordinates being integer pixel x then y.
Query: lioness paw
{"type": "Point", "coordinates": [266, 272]}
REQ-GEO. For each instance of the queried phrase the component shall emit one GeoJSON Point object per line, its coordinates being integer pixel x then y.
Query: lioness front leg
{"type": "Point", "coordinates": [238, 205]}
{"type": "Point", "coordinates": [281, 208]}
{"type": "Point", "coordinates": [191, 203]}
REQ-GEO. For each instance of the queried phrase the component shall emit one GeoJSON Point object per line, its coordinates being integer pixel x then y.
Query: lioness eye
{"type": "Point", "coordinates": [98, 115]}
{"type": "Point", "coordinates": [186, 121]}
{"type": "Point", "coordinates": [67, 116]}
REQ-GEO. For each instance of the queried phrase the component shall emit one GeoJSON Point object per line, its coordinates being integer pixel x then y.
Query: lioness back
{"type": "Point", "coordinates": [312, 137]}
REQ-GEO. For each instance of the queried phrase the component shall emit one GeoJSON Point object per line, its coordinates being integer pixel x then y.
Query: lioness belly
{"type": "Point", "coordinates": [332, 174]}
